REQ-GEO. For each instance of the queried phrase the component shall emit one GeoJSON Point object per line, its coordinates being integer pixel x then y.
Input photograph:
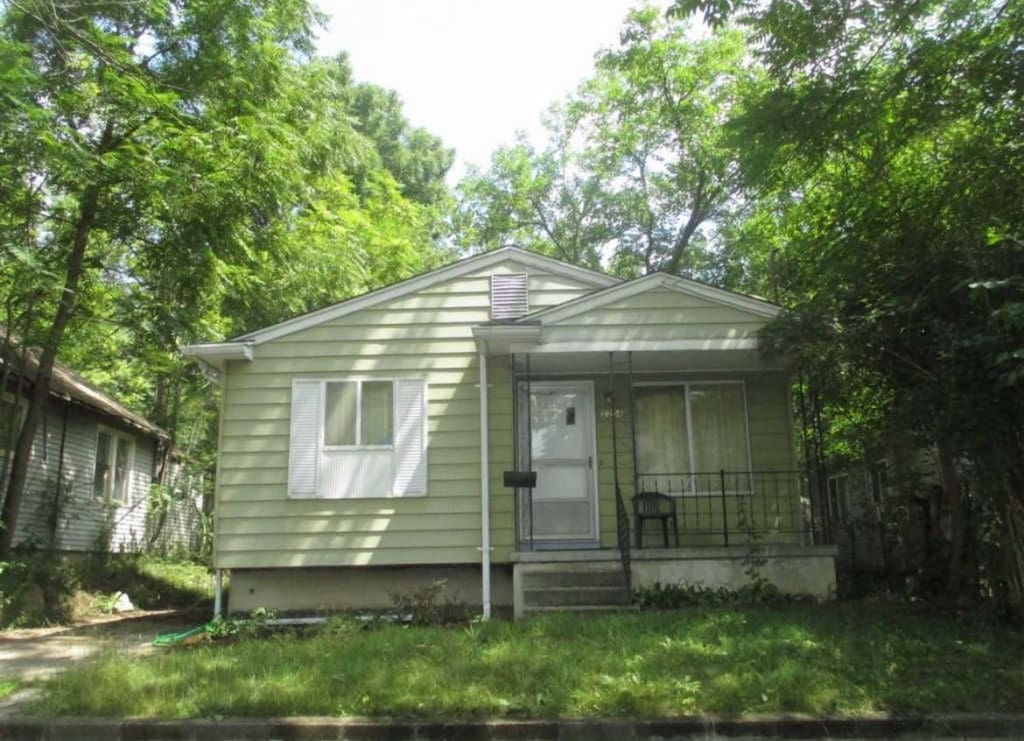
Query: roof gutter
{"type": "Point", "coordinates": [213, 356]}
{"type": "Point", "coordinates": [499, 339]}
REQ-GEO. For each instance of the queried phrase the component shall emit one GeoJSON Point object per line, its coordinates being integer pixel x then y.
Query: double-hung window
{"type": "Point", "coordinates": [686, 433]}
{"type": "Point", "coordinates": [357, 438]}
{"type": "Point", "coordinates": [838, 499]}
{"type": "Point", "coordinates": [112, 473]}
{"type": "Point", "coordinates": [12, 414]}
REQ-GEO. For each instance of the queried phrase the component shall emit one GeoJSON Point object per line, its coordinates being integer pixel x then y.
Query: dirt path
{"type": "Point", "coordinates": [37, 653]}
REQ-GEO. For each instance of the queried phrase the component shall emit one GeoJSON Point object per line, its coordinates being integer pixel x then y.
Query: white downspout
{"type": "Point", "coordinates": [218, 592]}
{"type": "Point", "coordinates": [485, 495]}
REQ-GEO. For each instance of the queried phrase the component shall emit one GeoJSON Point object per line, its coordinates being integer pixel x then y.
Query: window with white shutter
{"type": "Point", "coordinates": [510, 298]}
{"type": "Point", "coordinates": [358, 438]}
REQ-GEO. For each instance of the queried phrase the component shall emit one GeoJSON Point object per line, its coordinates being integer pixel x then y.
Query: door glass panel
{"type": "Point", "coordinates": [561, 429]}
{"type": "Point", "coordinates": [557, 429]}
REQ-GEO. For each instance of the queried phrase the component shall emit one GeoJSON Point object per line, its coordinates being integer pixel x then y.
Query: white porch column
{"type": "Point", "coordinates": [485, 495]}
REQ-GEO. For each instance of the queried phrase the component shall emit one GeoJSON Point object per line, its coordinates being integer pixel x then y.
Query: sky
{"type": "Point", "coordinates": [474, 72]}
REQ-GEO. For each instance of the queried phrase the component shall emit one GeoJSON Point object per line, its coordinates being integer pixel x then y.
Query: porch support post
{"type": "Point", "coordinates": [485, 495]}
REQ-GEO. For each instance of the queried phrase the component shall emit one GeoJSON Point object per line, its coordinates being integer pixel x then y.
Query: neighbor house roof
{"type": "Point", "coordinates": [68, 385]}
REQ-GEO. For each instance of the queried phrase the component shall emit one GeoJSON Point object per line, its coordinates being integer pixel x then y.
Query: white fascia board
{"type": "Point", "coordinates": [215, 354]}
{"type": "Point", "coordinates": [622, 291]}
{"type": "Point", "coordinates": [426, 280]}
{"type": "Point", "coordinates": [502, 338]}
{"type": "Point", "coordinates": [740, 343]}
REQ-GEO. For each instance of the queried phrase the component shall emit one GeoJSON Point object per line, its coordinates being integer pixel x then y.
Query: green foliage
{"type": "Point", "coordinates": [8, 687]}
{"type": "Point", "coordinates": [255, 625]}
{"type": "Point", "coordinates": [886, 189]}
{"type": "Point", "coordinates": [151, 582]}
{"type": "Point", "coordinates": [820, 660]}
{"type": "Point", "coordinates": [758, 591]}
{"type": "Point", "coordinates": [188, 172]}
{"type": "Point", "coordinates": [35, 588]}
{"type": "Point", "coordinates": [429, 605]}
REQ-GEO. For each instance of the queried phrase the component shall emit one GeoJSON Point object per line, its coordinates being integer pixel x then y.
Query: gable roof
{"type": "Point", "coordinates": [67, 385]}
{"type": "Point", "coordinates": [421, 282]}
{"type": "Point", "coordinates": [619, 291]}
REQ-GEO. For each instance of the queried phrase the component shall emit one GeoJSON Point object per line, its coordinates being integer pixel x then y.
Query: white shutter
{"type": "Point", "coordinates": [304, 451]}
{"type": "Point", "coordinates": [410, 437]}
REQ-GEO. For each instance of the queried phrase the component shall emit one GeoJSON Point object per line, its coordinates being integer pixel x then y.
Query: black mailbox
{"type": "Point", "coordinates": [521, 479]}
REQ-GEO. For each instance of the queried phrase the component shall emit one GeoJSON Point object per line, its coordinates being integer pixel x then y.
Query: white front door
{"type": "Point", "coordinates": [562, 447]}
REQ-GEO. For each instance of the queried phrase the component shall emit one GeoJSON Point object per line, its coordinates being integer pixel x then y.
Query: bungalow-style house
{"type": "Point", "coordinates": [92, 466]}
{"type": "Point", "coordinates": [489, 423]}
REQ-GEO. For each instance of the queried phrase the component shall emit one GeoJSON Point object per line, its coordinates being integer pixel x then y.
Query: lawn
{"type": "Point", "coordinates": [8, 687]}
{"type": "Point", "coordinates": [835, 659]}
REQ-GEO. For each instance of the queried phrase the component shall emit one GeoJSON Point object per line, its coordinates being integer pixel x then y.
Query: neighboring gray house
{"type": "Point", "coordinates": [93, 464]}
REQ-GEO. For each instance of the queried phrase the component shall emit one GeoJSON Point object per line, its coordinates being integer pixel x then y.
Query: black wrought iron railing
{"type": "Point", "coordinates": [622, 538]}
{"type": "Point", "coordinates": [732, 507]}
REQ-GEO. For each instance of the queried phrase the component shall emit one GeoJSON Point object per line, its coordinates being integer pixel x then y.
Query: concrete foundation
{"type": "Point", "coordinates": [794, 569]}
{"type": "Point", "coordinates": [326, 590]}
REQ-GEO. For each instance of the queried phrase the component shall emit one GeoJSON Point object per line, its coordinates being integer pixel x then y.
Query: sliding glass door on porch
{"type": "Point", "coordinates": [686, 431]}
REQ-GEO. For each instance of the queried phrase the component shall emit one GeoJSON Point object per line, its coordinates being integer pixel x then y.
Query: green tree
{"type": "Point", "coordinates": [890, 181]}
{"type": "Point", "coordinates": [124, 114]}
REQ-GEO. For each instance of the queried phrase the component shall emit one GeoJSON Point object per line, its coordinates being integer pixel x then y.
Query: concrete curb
{"type": "Point", "coordinates": [365, 729]}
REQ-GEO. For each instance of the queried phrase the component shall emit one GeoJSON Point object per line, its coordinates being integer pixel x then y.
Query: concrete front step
{"type": "Point", "coordinates": [574, 596]}
{"type": "Point", "coordinates": [569, 577]}
{"type": "Point", "coordinates": [570, 586]}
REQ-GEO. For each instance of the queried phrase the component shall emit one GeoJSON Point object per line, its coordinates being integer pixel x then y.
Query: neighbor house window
{"type": "Point", "coordinates": [838, 499]}
{"type": "Point", "coordinates": [685, 433]}
{"type": "Point", "coordinates": [880, 481]}
{"type": "Point", "coordinates": [12, 414]}
{"type": "Point", "coordinates": [357, 438]}
{"type": "Point", "coordinates": [112, 475]}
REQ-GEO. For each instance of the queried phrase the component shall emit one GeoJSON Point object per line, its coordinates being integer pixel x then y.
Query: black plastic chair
{"type": "Point", "coordinates": [653, 505]}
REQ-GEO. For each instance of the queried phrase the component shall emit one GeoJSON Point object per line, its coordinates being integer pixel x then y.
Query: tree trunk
{"type": "Point", "coordinates": [953, 490]}
{"type": "Point", "coordinates": [41, 385]}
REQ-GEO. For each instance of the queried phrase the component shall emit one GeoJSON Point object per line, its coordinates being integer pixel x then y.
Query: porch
{"type": "Point", "coordinates": [590, 447]}
{"type": "Point", "coordinates": [635, 399]}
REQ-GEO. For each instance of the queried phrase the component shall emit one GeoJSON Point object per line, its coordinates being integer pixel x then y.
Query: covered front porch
{"type": "Point", "coordinates": [648, 429]}
{"type": "Point", "coordinates": [592, 445]}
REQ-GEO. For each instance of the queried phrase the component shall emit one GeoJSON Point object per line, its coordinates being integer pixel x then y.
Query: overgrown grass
{"type": "Point", "coordinates": [39, 588]}
{"type": "Point", "coordinates": [152, 582]}
{"type": "Point", "coordinates": [836, 659]}
{"type": "Point", "coordinates": [8, 687]}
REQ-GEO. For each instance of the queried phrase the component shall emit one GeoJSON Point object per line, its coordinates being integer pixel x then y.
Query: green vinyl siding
{"type": "Point", "coordinates": [660, 314]}
{"type": "Point", "coordinates": [426, 335]}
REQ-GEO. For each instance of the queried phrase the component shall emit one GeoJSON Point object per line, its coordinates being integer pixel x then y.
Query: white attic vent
{"type": "Point", "coordinates": [509, 296]}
